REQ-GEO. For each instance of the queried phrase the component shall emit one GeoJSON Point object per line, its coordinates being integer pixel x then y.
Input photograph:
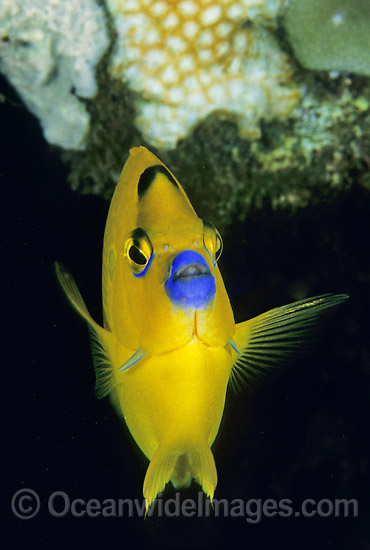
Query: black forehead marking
{"type": "Point", "coordinates": [148, 176]}
{"type": "Point", "coordinates": [138, 234]}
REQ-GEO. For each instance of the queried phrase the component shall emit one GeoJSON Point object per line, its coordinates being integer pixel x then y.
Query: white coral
{"type": "Point", "coordinates": [49, 50]}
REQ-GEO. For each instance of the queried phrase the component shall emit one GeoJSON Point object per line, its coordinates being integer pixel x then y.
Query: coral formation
{"type": "Point", "coordinates": [193, 57]}
{"type": "Point", "coordinates": [302, 161]}
{"type": "Point", "coordinates": [254, 132]}
{"type": "Point", "coordinates": [299, 163]}
{"type": "Point", "coordinates": [49, 50]}
{"type": "Point", "coordinates": [331, 35]}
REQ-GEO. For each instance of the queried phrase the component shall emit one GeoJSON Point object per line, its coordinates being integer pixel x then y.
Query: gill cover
{"type": "Point", "coordinates": [161, 283]}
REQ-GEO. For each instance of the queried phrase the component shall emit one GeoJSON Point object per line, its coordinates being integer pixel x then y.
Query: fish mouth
{"type": "Point", "coordinates": [190, 284]}
{"type": "Point", "coordinates": [191, 271]}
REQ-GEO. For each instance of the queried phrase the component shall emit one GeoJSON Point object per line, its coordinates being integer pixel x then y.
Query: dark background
{"type": "Point", "coordinates": [304, 434]}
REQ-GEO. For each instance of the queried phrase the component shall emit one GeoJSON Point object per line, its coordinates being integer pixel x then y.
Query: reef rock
{"type": "Point", "coordinates": [331, 35]}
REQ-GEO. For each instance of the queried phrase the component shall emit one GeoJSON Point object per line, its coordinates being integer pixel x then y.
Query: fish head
{"type": "Point", "coordinates": [162, 287]}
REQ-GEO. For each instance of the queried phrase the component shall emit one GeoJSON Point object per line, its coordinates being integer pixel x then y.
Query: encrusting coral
{"type": "Point", "coordinates": [213, 86]}
{"type": "Point", "coordinates": [189, 58]}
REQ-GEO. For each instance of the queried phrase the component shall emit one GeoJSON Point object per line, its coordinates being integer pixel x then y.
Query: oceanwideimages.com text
{"type": "Point", "coordinates": [26, 504]}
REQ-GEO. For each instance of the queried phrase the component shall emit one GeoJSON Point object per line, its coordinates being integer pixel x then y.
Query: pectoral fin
{"type": "Point", "coordinates": [135, 358]}
{"type": "Point", "coordinates": [274, 337]}
{"type": "Point", "coordinates": [102, 340]}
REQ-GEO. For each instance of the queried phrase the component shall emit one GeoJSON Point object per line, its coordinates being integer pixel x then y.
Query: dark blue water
{"type": "Point", "coordinates": [301, 435]}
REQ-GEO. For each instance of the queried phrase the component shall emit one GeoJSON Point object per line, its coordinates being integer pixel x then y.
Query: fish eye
{"type": "Point", "coordinates": [212, 240]}
{"type": "Point", "coordinates": [138, 250]}
{"type": "Point", "coordinates": [136, 255]}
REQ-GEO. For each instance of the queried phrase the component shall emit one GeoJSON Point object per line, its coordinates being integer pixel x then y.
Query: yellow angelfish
{"type": "Point", "coordinates": [170, 346]}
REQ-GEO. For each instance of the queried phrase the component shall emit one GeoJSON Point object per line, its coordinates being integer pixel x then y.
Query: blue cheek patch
{"type": "Point", "coordinates": [138, 275]}
{"type": "Point", "coordinates": [190, 284]}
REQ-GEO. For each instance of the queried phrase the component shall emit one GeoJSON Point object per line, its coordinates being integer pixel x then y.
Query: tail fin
{"type": "Point", "coordinates": [168, 465]}
{"type": "Point", "coordinates": [181, 476]}
{"type": "Point", "coordinates": [158, 473]}
{"type": "Point", "coordinates": [203, 469]}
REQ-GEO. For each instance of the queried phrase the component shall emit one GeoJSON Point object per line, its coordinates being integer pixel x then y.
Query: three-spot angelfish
{"type": "Point", "coordinates": [170, 345]}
